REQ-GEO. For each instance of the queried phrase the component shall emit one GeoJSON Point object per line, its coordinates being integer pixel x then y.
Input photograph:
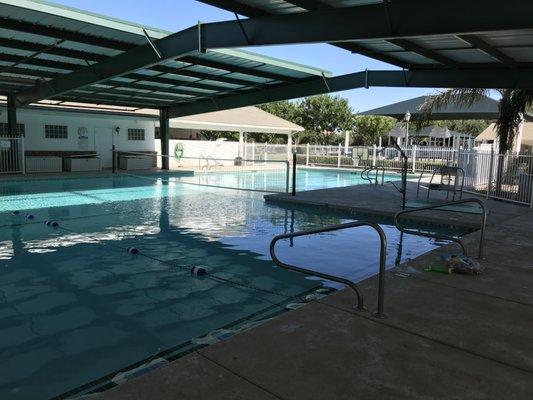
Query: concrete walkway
{"type": "Point", "coordinates": [446, 336]}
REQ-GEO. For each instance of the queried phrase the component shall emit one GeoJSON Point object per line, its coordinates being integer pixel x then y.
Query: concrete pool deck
{"type": "Point", "coordinates": [446, 336]}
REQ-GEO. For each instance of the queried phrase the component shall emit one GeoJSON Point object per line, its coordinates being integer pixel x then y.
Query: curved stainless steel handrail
{"type": "Point", "coordinates": [382, 261]}
{"type": "Point", "coordinates": [376, 168]}
{"type": "Point", "coordinates": [447, 237]}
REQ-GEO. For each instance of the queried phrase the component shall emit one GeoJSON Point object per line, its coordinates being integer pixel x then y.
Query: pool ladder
{"type": "Point", "coordinates": [382, 261]}
{"type": "Point", "coordinates": [365, 174]}
{"type": "Point", "coordinates": [457, 240]}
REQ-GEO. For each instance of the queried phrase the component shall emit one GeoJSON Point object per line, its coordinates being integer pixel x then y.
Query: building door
{"type": "Point", "coordinates": [103, 145]}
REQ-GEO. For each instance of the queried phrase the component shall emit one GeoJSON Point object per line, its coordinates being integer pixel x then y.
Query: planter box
{"type": "Point", "coordinates": [133, 162]}
{"type": "Point", "coordinates": [83, 164]}
{"type": "Point", "coordinates": [43, 164]}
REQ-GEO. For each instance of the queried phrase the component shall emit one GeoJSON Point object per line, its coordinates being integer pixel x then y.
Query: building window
{"type": "Point", "coordinates": [55, 132]}
{"type": "Point", "coordinates": [135, 134]}
{"type": "Point", "coordinates": [4, 131]}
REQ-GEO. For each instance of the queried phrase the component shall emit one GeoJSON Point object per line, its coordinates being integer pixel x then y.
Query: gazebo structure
{"type": "Point", "coordinates": [243, 120]}
{"type": "Point", "coordinates": [435, 135]}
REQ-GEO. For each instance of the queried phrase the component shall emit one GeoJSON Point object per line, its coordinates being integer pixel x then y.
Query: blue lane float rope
{"type": "Point", "coordinates": [190, 269]}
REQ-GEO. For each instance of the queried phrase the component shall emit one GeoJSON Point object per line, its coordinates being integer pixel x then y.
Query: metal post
{"type": "Point", "coordinates": [307, 155]}
{"type": "Point", "coordinates": [491, 167]}
{"type": "Point", "coordinates": [404, 182]}
{"type": "Point", "coordinates": [164, 134]}
{"type": "Point", "coordinates": [339, 156]}
{"type": "Point", "coordinates": [114, 159]}
{"type": "Point", "coordinates": [414, 158]}
{"type": "Point", "coordinates": [287, 176]}
{"type": "Point", "coordinates": [11, 116]}
{"type": "Point", "coordinates": [23, 154]}
{"type": "Point", "coordinates": [294, 174]}
{"type": "Point", "coordinates": [374, 154]}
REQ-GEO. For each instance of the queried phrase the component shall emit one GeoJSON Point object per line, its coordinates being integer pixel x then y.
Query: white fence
{"type": "Point", "coordinates": [11, 155]}
{"type": "Point", "coordinates": [506, 177]}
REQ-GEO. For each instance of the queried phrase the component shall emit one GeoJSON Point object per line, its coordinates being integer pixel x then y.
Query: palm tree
{"type": "Point", "coordinates": [514, 103]}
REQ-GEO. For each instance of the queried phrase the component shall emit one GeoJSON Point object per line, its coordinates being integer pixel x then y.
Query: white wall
{"type": "Point", "coordinates": [196, 148]}
{"type": "Point", "coordinates": [100, 128]}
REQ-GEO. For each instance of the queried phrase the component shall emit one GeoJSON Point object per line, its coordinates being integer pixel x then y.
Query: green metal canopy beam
{"type": "Point", "coordinates": [417, 78]}
{"type": "Point", "coordinates": [408, 19]}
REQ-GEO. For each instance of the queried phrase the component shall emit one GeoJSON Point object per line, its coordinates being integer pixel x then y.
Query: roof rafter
{"type": "Point", "coordinates": [236, 69]}
{"type": "Point", "coordinates": [49, 31]}
{"type": "Point", "coordinates": [409, 45]}
{"type": "Point", "coordinates": [492, 51]}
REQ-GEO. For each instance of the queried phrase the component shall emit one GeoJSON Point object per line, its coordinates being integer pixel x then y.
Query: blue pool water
{"type": "Point", "coordinates": [75, 306]}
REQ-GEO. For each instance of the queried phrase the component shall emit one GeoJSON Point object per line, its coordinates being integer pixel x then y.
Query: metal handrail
{"type": "Point", "coordinates": [367, 172]}
{"type": "Point", "coordinates": [403, 190]}
{"type": "Point", "coordinates": [367, 178]}
{"type": "Point", "coordinates": [446, 237]}
{"type": "Point", "coordinates": [382, 261]}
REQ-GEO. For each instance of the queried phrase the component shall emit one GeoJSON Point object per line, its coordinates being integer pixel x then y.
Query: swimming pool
{"type": "Point", "coordinates": [75, 306]}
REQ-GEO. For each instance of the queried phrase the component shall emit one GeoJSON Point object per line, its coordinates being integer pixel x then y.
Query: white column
{"type": "Point", "coordinates": [307, 155]}
{"type": "Point", "coordinates": [289, 146]}
{"type": "Point", "coordinates": [518, 138]}
{"type": "Point", "coordinates": [253, 151]}
{"type": "Point", "coordinates": [339, 156]}
{"type": "Point", "coordinates": [245, 150]}
{"type": "Point", "coordinates": [241, 141]}
{"type": "Point", "coordinates": [374, 154]}
{"type": "Point", "coordinates": [346, 141]}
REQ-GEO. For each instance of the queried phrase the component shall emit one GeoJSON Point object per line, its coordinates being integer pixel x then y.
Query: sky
{"type": "Point", "coordinates": [175, 15]}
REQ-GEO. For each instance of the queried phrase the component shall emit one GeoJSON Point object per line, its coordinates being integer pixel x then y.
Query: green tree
{"type": "Point", "coordinates": [325, 117]}
{"type": "Point", "coordinates": [214, 135]}
{"type": "Point", "coordinates": [285, 109]}
{"type": "Point", "coordinates": [370, 127]}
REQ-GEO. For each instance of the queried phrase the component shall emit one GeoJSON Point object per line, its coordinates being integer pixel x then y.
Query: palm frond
{"type": "Point", "coordinates": [463, 97]}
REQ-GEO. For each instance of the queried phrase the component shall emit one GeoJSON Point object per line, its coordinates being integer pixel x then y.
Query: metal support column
{"type": "Point", "coordinates": [11, 115]}
{"type": "Point", "coordinates": [164, 134]}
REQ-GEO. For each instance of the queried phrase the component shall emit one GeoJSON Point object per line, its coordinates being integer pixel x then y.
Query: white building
{"type": "Point", "coordinates": [62, 132]}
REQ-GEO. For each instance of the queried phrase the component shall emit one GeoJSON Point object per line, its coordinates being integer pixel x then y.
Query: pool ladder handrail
{"type": "Point", "coordinates": [368, 170]}
{"type": "Point", "coordinates": [446, 237]}
{"type": "Point", "coordinates": [382, 261]}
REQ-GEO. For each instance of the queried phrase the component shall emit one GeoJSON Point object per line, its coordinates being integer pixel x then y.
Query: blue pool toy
{"type": "Point", "coordinates": [198, 271]}
{"type": "Point", "coordinates": [30, 216]}
{"type": "Point", "coordinates": [133, 250]}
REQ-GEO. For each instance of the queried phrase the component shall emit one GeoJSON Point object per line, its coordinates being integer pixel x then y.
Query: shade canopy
{"type": "Point", "coordinates": [63, 54]}
{"type": "Point", "coordinates": [246, 119]}
{"type": "Point", "coordinates": [412, 34]}
{"type": "Point", "coordinates": [486, 108]}
{"type": "Point", "coordinates": [45, 46]}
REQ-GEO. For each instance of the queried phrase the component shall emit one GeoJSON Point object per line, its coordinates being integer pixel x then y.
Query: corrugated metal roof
{"type": "Point", "coordinates": [486, 108]}
{"type": "Point", "coordinates": [40, 41]}
{"type": "Point", "coordinates": [484, 49]}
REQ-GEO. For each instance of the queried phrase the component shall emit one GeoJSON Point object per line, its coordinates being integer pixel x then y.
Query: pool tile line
{"type": "Point", "coordinates": [104, 383]}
